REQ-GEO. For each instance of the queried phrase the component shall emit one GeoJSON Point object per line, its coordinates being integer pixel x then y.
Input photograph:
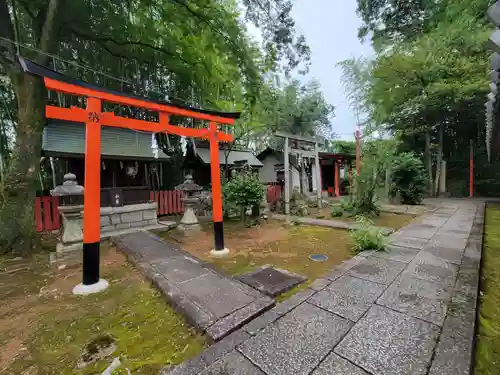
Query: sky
{"type": "Point", "coordinates": [331, 29]}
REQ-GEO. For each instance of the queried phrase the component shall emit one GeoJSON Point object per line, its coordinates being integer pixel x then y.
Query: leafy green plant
{"type": "Point", "coordinates": [337, 211]}
{"type": "Point", "coordinates": [367, 236]}
{"type": "Point", "coordinates": [408, 178]}
{"type": "Point", "coordinates": [243, 190]}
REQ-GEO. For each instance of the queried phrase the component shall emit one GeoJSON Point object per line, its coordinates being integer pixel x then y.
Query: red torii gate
{"type": "Point", "coordinates": [93, 118]}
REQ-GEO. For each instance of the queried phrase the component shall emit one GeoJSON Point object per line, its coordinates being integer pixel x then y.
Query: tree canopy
{"type": "Point", "coordinates": [428, 81]}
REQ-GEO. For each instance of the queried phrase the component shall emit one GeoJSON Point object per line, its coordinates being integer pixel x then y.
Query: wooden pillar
{"type": "Point", "coordinates": [92, 195]}
{"type": "Point", "coordinates": [219, 249]}
{"type": "Point", "coordinates": [287, 178]}
{"type": "Point", "coordinates": [318, 174]}
{"type": "Point", "coordinates": [337, 187]}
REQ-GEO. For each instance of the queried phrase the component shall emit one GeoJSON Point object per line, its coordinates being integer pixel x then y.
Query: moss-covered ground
{"type": "Point", "coordinates": [283, 245]}
{"type": "Point", "coordinates": [488, 339]}
{"type": "Point", "coordinates": [44, 327]}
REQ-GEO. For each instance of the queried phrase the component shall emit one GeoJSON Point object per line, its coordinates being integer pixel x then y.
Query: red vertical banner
{"type": "Point", "coordinates": [55, 213]}
{"type": "Point", "coordinates": [38, 214]}
{"type": "Point", "coordinates": [47, 213]}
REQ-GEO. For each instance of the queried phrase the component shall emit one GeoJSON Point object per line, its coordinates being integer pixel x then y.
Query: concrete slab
{"type": "Point", "coordinates": [335, 365]}
{"type": "Point", "coordinates": [399, 254]}
{"type": "Point", "coordinates": [179, 269]}
{"type": "Point", "coordinates": [296, 343]}
{"type": "Point", "coordinates": [428, 267]}
{"type": "Point", "coordinates": [385, 342]}
{"type": "Point", "coordinates": [232, 364]}
{"type": "Point", "coordinates": [378, 270]}
{"type": "Point", "coordinates": [217, 295]}
{"type": "Point", "coordinates": [348, 297]}
{"type": "Point", "coordinates": [216, 304]}
{"type": "Point", "coordinates": [271, 280]}
{"type": "Point", "coordinates": [409, 242]}
{"type": "Point", "coordinates": [418, 298]}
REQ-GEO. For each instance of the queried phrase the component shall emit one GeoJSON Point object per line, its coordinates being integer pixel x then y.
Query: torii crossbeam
{"type": "Point", "coordinates": [94, 118]}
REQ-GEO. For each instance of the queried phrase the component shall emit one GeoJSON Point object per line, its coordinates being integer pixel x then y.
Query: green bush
{"type": "Point", "coordinates": [337, 211]}
{"type": "Point", "coordinates": [366, 236]}
{"type": "Point", "coordinates": [243, 190]}
{"type": "Point", "coordinates": [408, 178]}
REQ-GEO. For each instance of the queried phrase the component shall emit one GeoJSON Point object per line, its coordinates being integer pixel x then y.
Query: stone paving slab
{"type": "Point", "coordinates": [335, 365]}
{"type": "Point", "coordinates": [418, 298]}
{"type": "Point", "coordinates": [397, 253]}
{"type": "Point", "coordinates": [386, 342]}
{"type": "Point", "coordinates": [296, 343]}
{"type": "Point", "coordinates": [428, 267]}
{"type": "Point", "coordinates": [407, 311]}
{"type": "Point", "coordinates": [348, 297]}
{"type": "Point", "coordinates": [232, 364]}
{"type": "Point", "coordinates": [215, 304]}
{"type": "Point", "coordinates": [410, 242]}
{"type": "Point", "coordinates": [378, 270]}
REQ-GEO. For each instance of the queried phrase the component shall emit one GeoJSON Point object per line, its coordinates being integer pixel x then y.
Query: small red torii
{"type": "Point", "coordinates": [94, 118]}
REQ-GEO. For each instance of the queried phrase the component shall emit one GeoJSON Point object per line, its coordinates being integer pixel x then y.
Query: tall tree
{"type": "Point", "coordinates": [197, 51]}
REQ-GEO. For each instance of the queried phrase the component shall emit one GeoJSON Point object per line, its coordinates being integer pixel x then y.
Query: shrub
{"type": "Point", "coordinates": [366, 236]}
{"type": "Point", "coordinates": [408, 178]}
{"type": "Point", "coordinates": [337, 211]}
{"type": "Point", "coordinates": [243, 190]}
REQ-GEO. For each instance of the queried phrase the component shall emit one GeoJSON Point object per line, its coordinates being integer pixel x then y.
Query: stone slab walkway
{"type": "Point", "coordinates": [336, 224]}
{"type": "Point", "coordinates": [407, 311]}
{"type": "Point", "coordinates": [211, 302]}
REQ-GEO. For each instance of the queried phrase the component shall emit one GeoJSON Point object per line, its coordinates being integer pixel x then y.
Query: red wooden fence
{"type": "Point", "coordinates": [273, 193]}
{"type": "Point", "coordinates": [47, 216]}
{"type": "Point", "coordinates": [169, 201]}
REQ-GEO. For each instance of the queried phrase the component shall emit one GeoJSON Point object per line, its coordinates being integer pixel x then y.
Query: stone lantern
{"type": "Point", "coordinates": [191, 196]}
{"type": "Point", "coordinates": [70, 207]}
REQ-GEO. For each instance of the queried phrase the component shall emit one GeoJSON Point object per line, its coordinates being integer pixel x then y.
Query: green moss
{"type": "Point", "coordinates": [488, 343]}
{"type": "Point", "coordinates": [148, 333]}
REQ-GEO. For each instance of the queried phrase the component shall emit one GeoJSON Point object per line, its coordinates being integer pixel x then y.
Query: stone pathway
{"type": "Point", "coordinates": [211, 302]}
{"type": "Point", "coordinates": [410, 310]}
{"type": "Point", "coordinates": [336, 224]}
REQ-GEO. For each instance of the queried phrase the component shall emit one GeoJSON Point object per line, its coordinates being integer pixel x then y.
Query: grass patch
{"type": "Point", "coordinates": [273, 243]}
{"type": "Point", "coordinates": [488, 339]}
{"type": "Point", "coordinates": [46, 332]}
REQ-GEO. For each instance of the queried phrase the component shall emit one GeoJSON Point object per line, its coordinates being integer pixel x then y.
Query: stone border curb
{"type": "Point", "coordinates": [455, 351]}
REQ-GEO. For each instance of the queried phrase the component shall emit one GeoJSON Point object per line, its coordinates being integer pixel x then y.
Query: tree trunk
{"type": "Point", "coordinates": [16, 207]}
{"type": "Point", "coordinates": [439, 159]}
{"type": "Point", "coordinates": [428, 161]}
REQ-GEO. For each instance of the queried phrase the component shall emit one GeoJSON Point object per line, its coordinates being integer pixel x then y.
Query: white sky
{"type": "Point", "coordinates": [331, 29]}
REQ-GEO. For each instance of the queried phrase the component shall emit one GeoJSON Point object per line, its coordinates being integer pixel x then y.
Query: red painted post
{"type": "Point", "coordinates": [47, 213]}
{"type": "Point", "coordinates": [162, 203]}
{"type": "Point", "coordinates": [157, 200]}
{"type": "Point", "coordinates": [55, 213]}
{"type": "Point", "coordinates": [337, 187]}
{"type": "Point", "coordinates": [38, 214]}
{"type": "Point", "coordinates": [174, 205]}
{"type": "Point", "coordinates": [181, 195]}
